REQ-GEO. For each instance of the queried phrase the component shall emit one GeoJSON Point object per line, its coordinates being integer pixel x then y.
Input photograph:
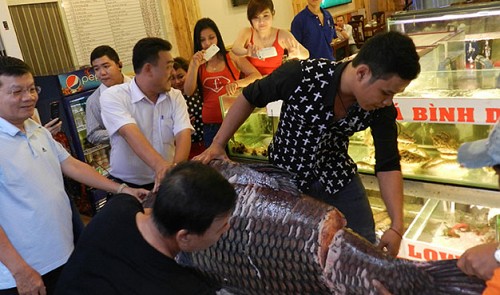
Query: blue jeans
{"type": "Point", "coordinates": [353, 203]}
{"type": "Point", "coordinates": [209, 131]}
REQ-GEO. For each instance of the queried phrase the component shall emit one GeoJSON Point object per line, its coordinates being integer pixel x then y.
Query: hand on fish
{"type": "Point", "coordinates": [390, 242]}
{"type": "Point", "coordinates": [478, 261]}
{"type": "Point", "coordinates": [161, 168]}
{"type": "Point", "coordinates": [214, 151]}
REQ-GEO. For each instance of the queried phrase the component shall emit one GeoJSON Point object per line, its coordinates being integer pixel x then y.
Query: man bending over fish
{"type": "Point", "coordinates": [128, 250]}
{"type": "Point", "coordinates": [324, 103]}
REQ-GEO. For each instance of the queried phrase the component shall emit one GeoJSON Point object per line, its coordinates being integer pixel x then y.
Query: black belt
{"type": "Point", "coordinates": [148, 186]}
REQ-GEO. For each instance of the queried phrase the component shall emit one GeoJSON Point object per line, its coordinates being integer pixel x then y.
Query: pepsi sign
{"type": "Point", "coordinates": [78, 81]}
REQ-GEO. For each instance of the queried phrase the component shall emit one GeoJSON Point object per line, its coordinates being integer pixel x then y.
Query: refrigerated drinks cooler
{"type": "Point", "coordinates": [95, 155]}
{"type": "Point", "coordinates": [69, 92]}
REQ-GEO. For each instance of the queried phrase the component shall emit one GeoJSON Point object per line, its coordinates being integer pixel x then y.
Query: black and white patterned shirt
{"type": "Point", "coordinates": [309, 142]}
{"type": "Point", "coordinates": [195, 103]}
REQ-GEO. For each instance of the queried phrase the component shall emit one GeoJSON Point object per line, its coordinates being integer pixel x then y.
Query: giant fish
{"type": "Point", "coordinates": [283, 242]}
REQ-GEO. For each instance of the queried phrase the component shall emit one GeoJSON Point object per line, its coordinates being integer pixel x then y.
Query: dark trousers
{"type": "Point", "coordinates": [148, 186]}
{"type": "Point", "coordinates": [353, 202]}
{"type": "Point", "coordinates": [78, 225]}
{"type": "Point", "coordinates": [209, 132]}
{"type": "Point", "coordinates": [49, 279]}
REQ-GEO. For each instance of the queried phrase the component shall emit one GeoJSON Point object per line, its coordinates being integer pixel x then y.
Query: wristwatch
{"type": "Point", "coordinates": [497, 253]}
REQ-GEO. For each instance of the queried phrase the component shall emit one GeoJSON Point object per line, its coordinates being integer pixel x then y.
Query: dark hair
{"type": "Point", "coordinates": [206, 23]}
{"type": "Point", "coordinates": [388, 54]}
{"type": "Point", "coordinates": [190, 196]}
{"type": "Point", "coordinates": [181, 63]}
{"type": "Point", "coordinates": [146, 51]}
{"type": "Point", "coordinates": [11, 66]}
{"type": "Point", "coordinates": [104, 50]}
{"type": "Point", "coordinates": [257, 6]}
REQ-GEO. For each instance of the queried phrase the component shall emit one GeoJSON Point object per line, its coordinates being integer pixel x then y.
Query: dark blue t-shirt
{"type": "Point", "coordinates": [307, 29]}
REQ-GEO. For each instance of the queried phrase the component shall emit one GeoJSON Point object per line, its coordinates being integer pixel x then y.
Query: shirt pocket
{"type": "Point", "coordinates": [167, 130]}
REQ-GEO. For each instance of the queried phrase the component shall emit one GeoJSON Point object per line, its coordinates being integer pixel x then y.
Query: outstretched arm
{"type": "Point", "coordinates": [251, 74]}
{"type": "Point", "coordinates": [84, 173]}
{"type": "Point", "coordinates": [241, 46]}
{"type": "Point", "coordinates": [391, 189]}
{"type": "Point", "coordinates": [237, 114]}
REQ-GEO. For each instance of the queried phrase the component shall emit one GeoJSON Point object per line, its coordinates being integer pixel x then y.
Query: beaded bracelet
{"type": "Point", "coordinates": [401, 236]}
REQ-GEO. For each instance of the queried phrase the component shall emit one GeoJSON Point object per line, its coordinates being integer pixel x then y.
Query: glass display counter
{"type": "Point", "coordinates": [251, 140]}
{"type": "Point", "coordinates": [446, 229]}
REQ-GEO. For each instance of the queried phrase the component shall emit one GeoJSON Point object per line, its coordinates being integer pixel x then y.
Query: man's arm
{"type": "Point", "coordinates": [96, 133]}
{"type": "Point", "coordinates": [28, 280]}
{"type": "Point", "coordinates": [391, 189]}
{"type": "Point", "coordinates": [237, 114]}
{"type": "Point", "coordinates": [182, 145]}
{"type": "Point", "coordinates": [145, 151]}
{"type": "Point", "coordinates": [87, 175]}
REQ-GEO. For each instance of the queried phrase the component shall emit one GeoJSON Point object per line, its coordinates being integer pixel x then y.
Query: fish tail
{"type": "Point", "coordinates": [353, 263]}
{"type": "Point", "coordinates": [449, 279]}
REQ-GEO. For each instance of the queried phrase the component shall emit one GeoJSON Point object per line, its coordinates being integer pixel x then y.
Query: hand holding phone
{"type": "Point", "coordinates": [54, 110]}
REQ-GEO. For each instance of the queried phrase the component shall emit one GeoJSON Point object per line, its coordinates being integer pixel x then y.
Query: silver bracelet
{"type": "Point", "coordinates": [121, 188]}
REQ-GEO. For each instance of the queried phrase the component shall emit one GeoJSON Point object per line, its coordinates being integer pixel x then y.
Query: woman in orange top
{"type": "Point", "coordinates": [262, 34]}
{"type": "Point", "coordinates": [215, 77]}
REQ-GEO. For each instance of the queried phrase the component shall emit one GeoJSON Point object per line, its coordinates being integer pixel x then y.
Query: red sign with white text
{"type": "Point", "coordinates": [456, 110]}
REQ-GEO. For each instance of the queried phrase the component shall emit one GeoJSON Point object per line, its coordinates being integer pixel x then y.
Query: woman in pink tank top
{"type": "Point", "coordinates": [263, 44]}
{"type": "Point", "coordinates": [216, 76]}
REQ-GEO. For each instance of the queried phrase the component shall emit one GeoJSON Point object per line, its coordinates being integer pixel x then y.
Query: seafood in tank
{"type": "Point", "coordinates": [283, 242]}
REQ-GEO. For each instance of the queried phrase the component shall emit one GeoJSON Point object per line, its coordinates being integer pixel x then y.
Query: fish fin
{"type": "Point", "coordinates": [286, 180]}
{"type": "Point", "coordinates": [449, 279]}
{"type": "Point", "coordinates": [271, 170]}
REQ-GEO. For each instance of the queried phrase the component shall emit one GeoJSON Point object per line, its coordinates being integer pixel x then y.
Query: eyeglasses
{"type": "Point", "coordinates": [18, 92]}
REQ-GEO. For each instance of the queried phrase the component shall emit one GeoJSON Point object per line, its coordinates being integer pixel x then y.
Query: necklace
{"type": "Point", "coordinates": [343, 112]}
{"type": "Point", "coordinates": [213, 67]}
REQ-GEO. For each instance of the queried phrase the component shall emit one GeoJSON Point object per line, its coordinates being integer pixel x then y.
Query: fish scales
{"type": "Point", "coordinates": [284, 242]}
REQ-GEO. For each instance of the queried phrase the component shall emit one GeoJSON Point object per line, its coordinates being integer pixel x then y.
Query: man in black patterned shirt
{"type": "Point", "coordinates": [323, 104]}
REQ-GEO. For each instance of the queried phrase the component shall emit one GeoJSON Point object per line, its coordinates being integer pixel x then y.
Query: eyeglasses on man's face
{"type": "Point", "coordinates": [18, 92]}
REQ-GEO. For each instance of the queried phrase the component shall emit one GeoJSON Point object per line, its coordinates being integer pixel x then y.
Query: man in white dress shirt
{"type": "Point", "coordinates": [108, 69]}
{"type": "Point", "coordinates": [344, 31]}
{"type": "Point", "coordinates": [147, 119]}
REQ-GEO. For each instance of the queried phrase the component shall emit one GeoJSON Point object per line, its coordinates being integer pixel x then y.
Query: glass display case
{"type": "Point", "coordinates": [447, 228]}
{"type": "Point", "coordinates": [456, 97]}
{"type": "Point", "coordinates": [477, 21]}
{"type": "Point", "coordinates": [251, 140]}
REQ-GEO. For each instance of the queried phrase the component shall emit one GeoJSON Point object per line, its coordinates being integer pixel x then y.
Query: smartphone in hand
{"type": "Point", "coordinates": [210, 52]}
{"type": "Point", "coordinates": [54, 110]}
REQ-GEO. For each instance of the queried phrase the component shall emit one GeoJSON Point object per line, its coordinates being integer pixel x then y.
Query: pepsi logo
{"type": "Point", "coordinates": [73, 83]}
